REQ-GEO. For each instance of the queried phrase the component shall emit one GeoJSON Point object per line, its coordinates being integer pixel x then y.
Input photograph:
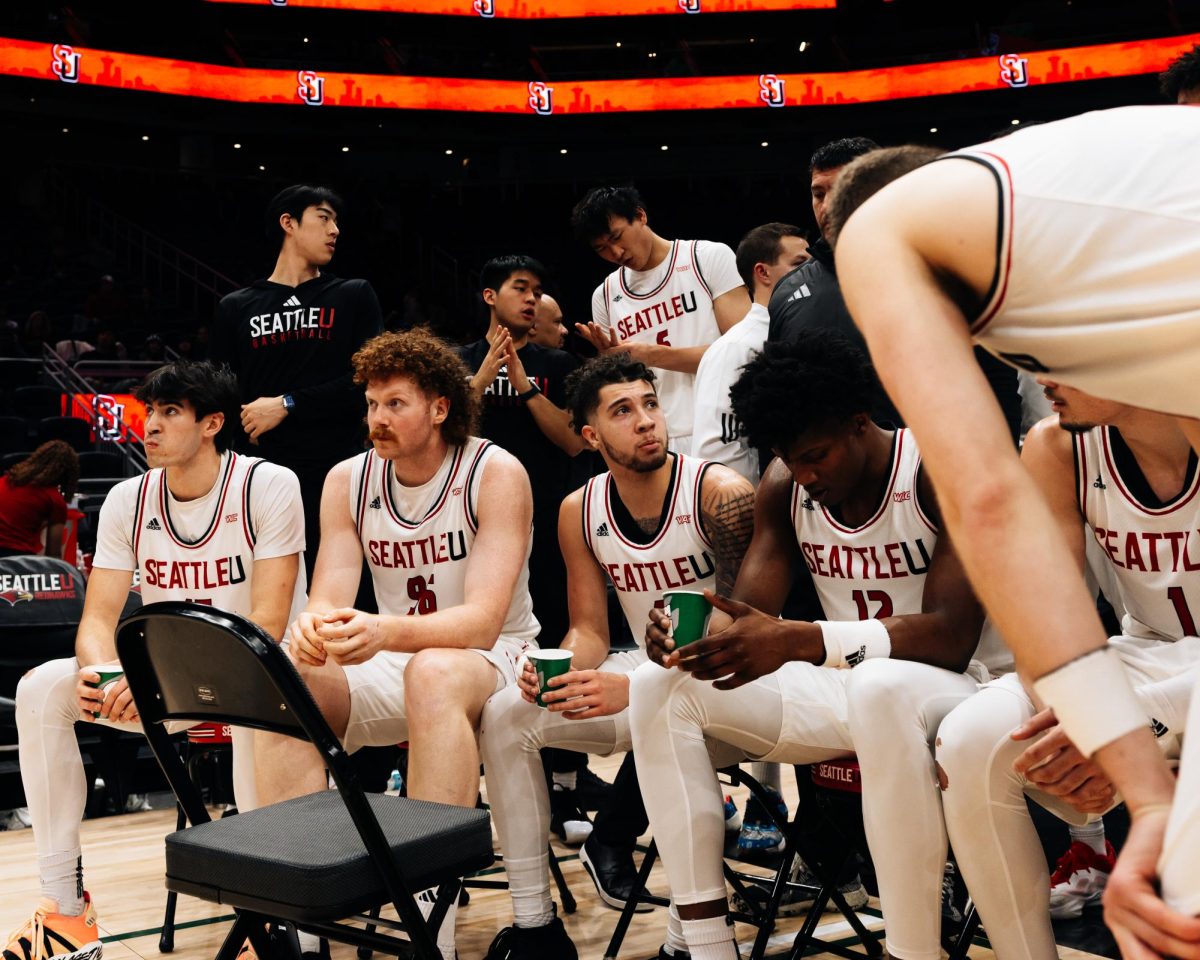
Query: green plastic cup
{"type": "Point", "coordinates": [109, 673]}
{"type": "Point", "coordinates": [549, 664]}
{"type": "Point", "coordinates": [690, 612]}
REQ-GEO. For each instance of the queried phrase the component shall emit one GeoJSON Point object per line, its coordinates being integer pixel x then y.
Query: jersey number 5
{"type": "Point", "coordinates": [422, 593]}
{"type": "Point", "coordinates": [861, 599]}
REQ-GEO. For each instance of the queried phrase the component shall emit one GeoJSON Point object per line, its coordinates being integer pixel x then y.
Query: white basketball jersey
{"type": "Point", "coordinates": [1153, 555]}
{"type": "Point", "coordinates": [215, 568]}
{"type": "Point", "coordinates": [679, 557]}
{"type": "Point", "coordinates": [1098, 256]}
{"type": "Point", "coordinates": [417, 540]}
{"type": "Point", "coordinates": [678, 312]}
{"type": "Point", "coordinates": [878, 569]}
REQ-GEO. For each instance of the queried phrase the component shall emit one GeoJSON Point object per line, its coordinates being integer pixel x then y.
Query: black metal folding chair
{"type": "Point", "coordinates": [314, 862]}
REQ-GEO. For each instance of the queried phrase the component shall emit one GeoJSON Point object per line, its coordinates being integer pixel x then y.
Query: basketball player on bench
{"type": "Point", "coordinates": [655, 521]}
{"type": "Point", "coordinates": [443, 519]}
{"type": "Point", "coordinates": [1022, 245]}
{"type": "Point", "coordinates": [847, 501]}
{"type": "Point", "coordinates": [204, 524]}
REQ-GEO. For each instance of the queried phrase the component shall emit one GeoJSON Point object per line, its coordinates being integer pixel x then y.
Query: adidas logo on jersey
{"type": "Point", "coordinates": [618, 298]}
{"type": "Point", "coordinates": [1100, 484]}
{"type": "Point", "coordinates": [1158, 728]}
{"type": "Point", "coordinates": [602, 530]}
{"type": "Point", "coordinates": [375, 504]}
{"type": "Point", "coordinates": [801, 293]}
{"type": "Point", "coordinates": [808, 504]}
{"type": "Point", "coordinates": [154, 524]}
{"type": "Point", "coordinates": [292, 301]}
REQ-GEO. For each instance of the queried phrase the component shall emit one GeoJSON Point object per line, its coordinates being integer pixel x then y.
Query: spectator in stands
{"type": "Point", "coordinates": [106, 304]}
{"type": "Point", "coordinates": [108, 347]}
{"type": "Point", "coordinates": [72, 350]}
{"type": "Point", "coordinates": [38, 332]}
{"type": "Point", "coordinates": [10, 341]}
{"type": "Point", "coordinates": [33, 499]}
{"type": "Point", "coordinates": [153, 349]}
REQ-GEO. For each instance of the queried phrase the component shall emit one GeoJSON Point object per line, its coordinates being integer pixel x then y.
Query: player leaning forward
{"type": "Point", "coordinates": [444, 521]}
{"type": "Point", "coordinates": [203, 524]}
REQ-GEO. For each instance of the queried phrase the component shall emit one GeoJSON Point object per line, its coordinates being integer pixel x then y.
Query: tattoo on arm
{"type": "Point", "coordinates": [729, 521]}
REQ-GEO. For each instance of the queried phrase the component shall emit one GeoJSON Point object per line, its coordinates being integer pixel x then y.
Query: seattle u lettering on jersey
{"type": "Point", "coordinates": [446, 546]}
{"type": "Point", "coordinates": [688, 570]}
{"type": "Point", "coordinates": [656, 314]}
{"type": "Point", "coordinates": [872, 562]}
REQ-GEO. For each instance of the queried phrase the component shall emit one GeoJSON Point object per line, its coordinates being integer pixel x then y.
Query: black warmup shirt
{"type": "Point", "coordinates": [299, 340]}
{"type": "Point", "coordinates": [508, 422]}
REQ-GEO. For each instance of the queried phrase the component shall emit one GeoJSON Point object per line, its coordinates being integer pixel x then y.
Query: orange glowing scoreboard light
{"type": "Point", "coordinates": [62, 63]}
{"type": "Point", "coordinates": [527, 10]}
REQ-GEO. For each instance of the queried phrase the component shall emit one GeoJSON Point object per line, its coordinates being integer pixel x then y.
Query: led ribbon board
{"type": "Point", "coordinates": [60, 63]}
{"type": "Point", "coordinates": [526, 10]}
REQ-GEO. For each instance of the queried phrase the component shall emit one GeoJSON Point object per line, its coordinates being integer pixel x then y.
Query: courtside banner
{"type": "Point", "coordinates": [525, 10]}
{"type": "Point", "coordinates": [72, 65]}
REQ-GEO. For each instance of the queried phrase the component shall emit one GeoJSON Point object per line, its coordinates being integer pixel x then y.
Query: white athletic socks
{"type": "Point", "coordinates": [445, 936]}
{"type": "Point", "coordinates": [532, 904]}
{"type": "Point", "coordinates": [710, 938]}
{"type": "Point", "coordinates": [568, 781]}
{"type": "Point", "coordinates": [309, 942]}
{"type": "Point", "coordinates": [1092, 834]}
{"type": "Point", "coordinates": [675, 943]}
{"type": "Point", "coordinates": [62, 880]}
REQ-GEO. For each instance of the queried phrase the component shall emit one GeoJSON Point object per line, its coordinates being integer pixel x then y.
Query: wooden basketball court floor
{"type": "Point", "coordinates": [123, 866]}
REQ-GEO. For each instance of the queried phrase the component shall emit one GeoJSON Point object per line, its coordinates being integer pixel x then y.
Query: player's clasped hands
{"type": "Point", "coordinates": [114, 702]}
{"type": "Point", "coordinates": [347, 635]}
{"type": "Point", "coordinates": [1055, 766]}
{"type": "Point", "coordinates": [578, 694]}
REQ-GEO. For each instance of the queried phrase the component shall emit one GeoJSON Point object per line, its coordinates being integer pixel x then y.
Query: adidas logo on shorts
{"type": "Point", "coordinates": [292, 301]}
{"type": "Point", "coordinates": [801, 293]}
{"type": "Point", "coordinates": [375, 504]}
{"type": "Point", "coordinates": [154, 524]}
{"type": "Point", "coordinates": [602, 530]}
{"type": "Point", "coordinates": [1158, 728]}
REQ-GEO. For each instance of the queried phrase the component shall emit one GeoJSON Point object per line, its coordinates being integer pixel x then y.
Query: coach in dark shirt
{"type": "Point", "coordinates": [289, 339]}
{"type": "Point", "coordinates": [809, 298]}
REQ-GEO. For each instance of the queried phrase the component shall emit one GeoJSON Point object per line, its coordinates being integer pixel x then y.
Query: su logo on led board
{"type": "Point", "coordinates": [65, 63]}
{"type": "Point", "coordinates": [771, 90]}
{"type": "Point", "coordinates": [541, 98]}
{"type": "Point", "coordinates": [310, 87]}
{"type": "Point", "coordinates": [1014, 70]}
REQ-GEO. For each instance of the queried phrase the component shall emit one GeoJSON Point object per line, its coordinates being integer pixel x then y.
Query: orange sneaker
{"type": "Point", "coordinates": [48, 935]}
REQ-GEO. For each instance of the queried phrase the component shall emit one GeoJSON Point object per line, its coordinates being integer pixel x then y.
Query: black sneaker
{"type": "Point", "coordinates": [566, 819]}
{"type": "Point", "coordinates": [613, 873]}
{"type": "Point", "coordinates": [591, 792]}
{"type": "Point", "coordinates": [533, 943]}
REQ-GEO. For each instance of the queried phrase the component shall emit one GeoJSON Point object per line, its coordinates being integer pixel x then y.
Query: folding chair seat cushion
{"type": "Point", "coordinates": [303, 859]}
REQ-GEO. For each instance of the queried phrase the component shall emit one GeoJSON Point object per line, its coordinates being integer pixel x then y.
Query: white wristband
{"type": "Point", "coordinates": [1093, 700]}
{"type": "Point", "coordinates": [849, 642]}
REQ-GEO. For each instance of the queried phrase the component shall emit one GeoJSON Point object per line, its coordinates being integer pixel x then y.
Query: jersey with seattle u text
{"type": "Point", "coordinates": [878, 568]}
{"type": "Point", "coordinates": [417, 540]}
{"type": "Point", "coordinates": [671, 305]}
{"type": "Point", "coordinates": [679, 556]}
{"type": "Point", "coordinates": [1153, 547]}
{"type": "Point", "coordinates": [203, 550]}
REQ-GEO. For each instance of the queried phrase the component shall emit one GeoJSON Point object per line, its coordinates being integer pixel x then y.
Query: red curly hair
{"type": "Point", "coordinates": [53, 464]}
{"type": "Point", "coordinates": [432, 365]}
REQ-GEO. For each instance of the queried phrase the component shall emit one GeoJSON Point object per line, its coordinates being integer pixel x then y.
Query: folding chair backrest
{"type": "Point", "coordinates": [187, 661]}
